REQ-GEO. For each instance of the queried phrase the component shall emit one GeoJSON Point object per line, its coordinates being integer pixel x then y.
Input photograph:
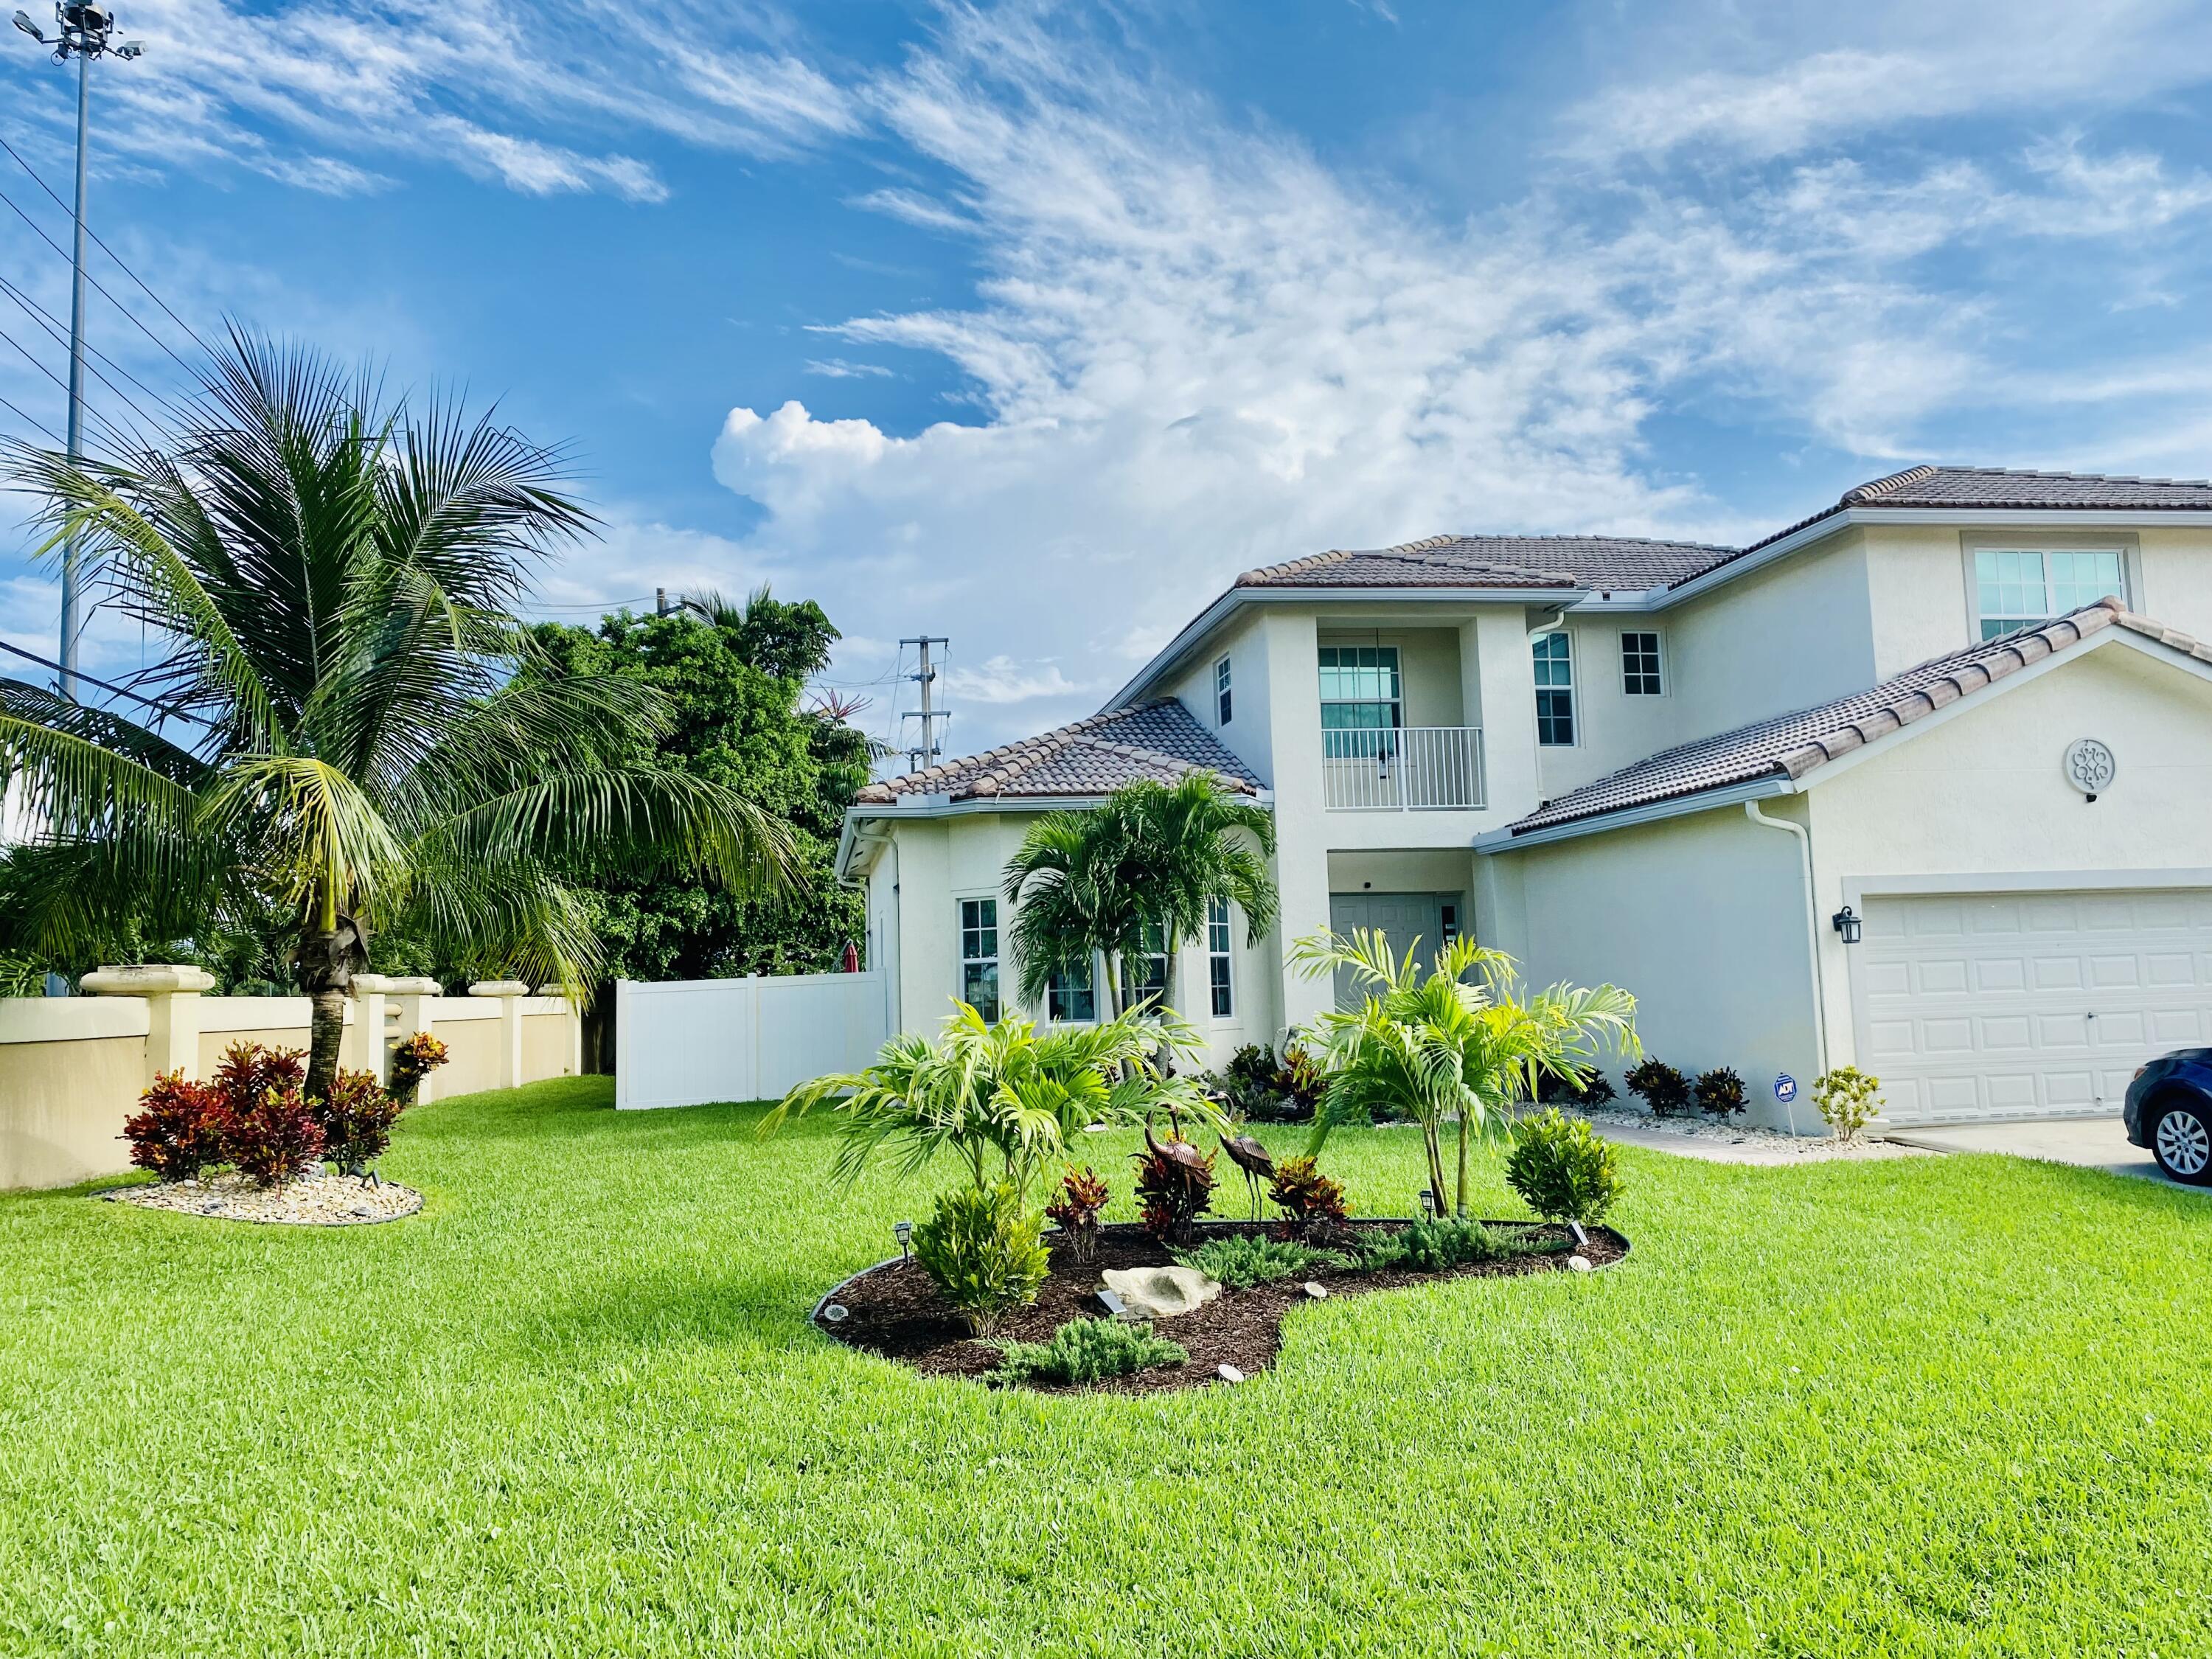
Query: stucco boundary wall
{"type": "Point", "coordinates": [71, 1068]}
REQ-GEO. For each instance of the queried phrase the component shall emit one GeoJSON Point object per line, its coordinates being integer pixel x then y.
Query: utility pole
{"type": "Point", "coordinates": [929, 714]}
{"type": "Point", "coordinates": [83, 31]}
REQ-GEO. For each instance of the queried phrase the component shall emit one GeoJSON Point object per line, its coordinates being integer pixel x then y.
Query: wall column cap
{"type": "Point", "coordinates": [420, 986]}
{"type": "Point", "coordinates": [499, 987]}
{"type": "Point", "coordinates": [146, 979]}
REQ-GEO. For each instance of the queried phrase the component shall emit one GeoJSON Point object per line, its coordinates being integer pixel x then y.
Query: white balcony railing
{"type": "Point", "coordinates": [1407, 768]}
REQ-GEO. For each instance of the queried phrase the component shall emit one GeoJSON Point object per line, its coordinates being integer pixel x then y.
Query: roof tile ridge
{"type": "Point", "coordinates": [1860, 494]}
{"type": "Point", "coordinates": [1291, 567]}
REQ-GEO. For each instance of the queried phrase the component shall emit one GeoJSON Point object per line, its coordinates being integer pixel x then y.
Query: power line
{"type": "Point", "coordinates": [114, 433]}
{"type": "Point", "coordinates": [55, 331]}
{"type": "Point", "coordinates": [17, 410]}
{"type": "Point", "coordinates": [131, 315]}
{"type": "Point", "coordinates": [111, 254]}
{"type": "Point", "coordinates": [161, 709]}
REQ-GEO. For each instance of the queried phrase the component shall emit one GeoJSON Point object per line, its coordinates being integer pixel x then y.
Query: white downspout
{"type": "Point", "coordinates": [1812, 940]}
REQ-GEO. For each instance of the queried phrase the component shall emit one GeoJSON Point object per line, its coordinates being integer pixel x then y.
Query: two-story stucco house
{"type": "Point", "coordinates": [1914, 783]}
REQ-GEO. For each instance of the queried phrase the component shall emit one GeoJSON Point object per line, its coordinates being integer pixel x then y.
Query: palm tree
{"type": "Point", "coordinates": [1194, 844]}
{"type": "Point", "coordinates": [1437, 1044]}
{"type": "Point", "coordinates": [1136, 876]}
{"type": "Point", "coordinates": [1073, 886]}
{"type": "Point", "coordinates": [340, 742]}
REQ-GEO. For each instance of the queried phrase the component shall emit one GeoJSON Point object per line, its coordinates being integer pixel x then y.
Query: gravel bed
{"type": "Point", "coordinates": [315, 1201]}
{"type": "Point", "coordinates": [1811, 1148]}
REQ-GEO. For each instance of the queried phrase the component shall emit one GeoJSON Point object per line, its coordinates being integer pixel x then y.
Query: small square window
{"type": "Point", "coordinates": [1068, 995]}
{"type": "Point", "coordinates": [1640, 665]}
{"type": "Point", "coordinates": [1222, 704]}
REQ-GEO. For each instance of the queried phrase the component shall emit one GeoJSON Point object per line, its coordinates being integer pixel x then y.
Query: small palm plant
{"type": "Point", "coordinates": [999, 1090]}
{"type": "Point", "coordinates": [1458, 1040]}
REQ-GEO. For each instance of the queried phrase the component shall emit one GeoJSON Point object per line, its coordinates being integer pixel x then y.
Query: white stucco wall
{"type": "Point", "coordinates": [1786, 637]}
{"type": "Point", "coordinates": [916, 883]}
{"type": "Point", "coordinates": [1981, 795]}
{"type": "Point", "coordinates": [1702, 917]}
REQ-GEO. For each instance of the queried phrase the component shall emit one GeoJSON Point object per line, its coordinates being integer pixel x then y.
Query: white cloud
{"type": "Point", "coordinates": [1195, 349]}
{"type": "Point", "coordinates": [290, 90]}
{"type": "Point", "coordinates": [838, 368]}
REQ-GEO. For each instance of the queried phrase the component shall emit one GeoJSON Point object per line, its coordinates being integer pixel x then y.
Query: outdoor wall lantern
{"type": "Point", "coordinates": [1846, 922]}
{"type": "Point", "coordinates": [903, 1232]}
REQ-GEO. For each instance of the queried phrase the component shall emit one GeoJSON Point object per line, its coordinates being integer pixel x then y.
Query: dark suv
{"type": "Point", "coordinates": [2169, 1110]}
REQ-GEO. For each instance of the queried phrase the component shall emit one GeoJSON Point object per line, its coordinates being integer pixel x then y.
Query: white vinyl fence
{"type": "Point", "coordinates": [685, 1042]}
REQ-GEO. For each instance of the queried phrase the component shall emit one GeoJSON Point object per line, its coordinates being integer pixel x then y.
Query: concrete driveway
{"type": "Point", "coordinates": [2093, 1142]}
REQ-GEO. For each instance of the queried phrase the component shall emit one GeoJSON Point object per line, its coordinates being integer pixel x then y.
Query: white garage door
{"type": "Point", "coordinates": [2028, 1004]}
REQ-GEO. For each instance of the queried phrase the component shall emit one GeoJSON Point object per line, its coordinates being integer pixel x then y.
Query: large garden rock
{"type": "Point", "coordinates": [1159, 1292]}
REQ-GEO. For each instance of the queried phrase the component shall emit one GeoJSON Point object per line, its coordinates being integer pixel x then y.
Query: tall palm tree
{"type": "Point", "coordinates": [1135, 876]}
{"type": "Point", "coordinates": [338, 738]}
{"type": "Point", "coordinates": [1195, 844]}
{"type": "Point", "coordinates": [1438, 1043]}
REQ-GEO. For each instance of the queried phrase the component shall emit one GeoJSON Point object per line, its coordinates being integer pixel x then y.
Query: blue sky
{"type": "Point", "coordinates": [1031, 326]}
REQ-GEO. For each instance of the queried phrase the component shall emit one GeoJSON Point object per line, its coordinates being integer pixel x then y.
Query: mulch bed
{"type": "Point", "coordinates": [895, 1311]}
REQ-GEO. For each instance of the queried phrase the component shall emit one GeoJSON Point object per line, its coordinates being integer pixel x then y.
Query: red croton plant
{"type": "Point", "coordinates": [255, 1116]}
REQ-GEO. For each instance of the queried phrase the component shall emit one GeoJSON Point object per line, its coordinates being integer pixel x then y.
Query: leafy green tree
{"type": "Point", "coordinates": [347, 739]}
{"type": "Point", "coordinates": [735, 676]}
{"type": "Point", "coordinates": [1436, 1044]}
{"type": "Point", "coordinates": [1135, 875]}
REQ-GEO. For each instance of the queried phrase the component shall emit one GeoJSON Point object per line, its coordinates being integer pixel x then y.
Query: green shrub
{"type": "Point", "coordinates": [1848, 1100]}
{"type": "Point", "coordinates": [1562, 1170]}
{"type": "Point", "coordinates": [1720, 1092]}
{"type": "Point", "coordinates": [1664, 1090]}
{"type": "Point", "coordinates": [984, 1253]}
{"type": "Point", "coordinates": [1240, 1261]}
{"type": "Point", "coordinates": [1087, 1350]}
{"type": "Point", "coordinates": [1435, 1244]}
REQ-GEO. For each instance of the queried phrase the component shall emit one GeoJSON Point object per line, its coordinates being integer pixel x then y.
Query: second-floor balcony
{"type": "Point", "coordinates": [1402, 769]}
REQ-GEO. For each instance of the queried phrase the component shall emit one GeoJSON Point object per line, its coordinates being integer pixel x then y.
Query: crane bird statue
{"type": "Point", "coordinates": [1249, 1156]}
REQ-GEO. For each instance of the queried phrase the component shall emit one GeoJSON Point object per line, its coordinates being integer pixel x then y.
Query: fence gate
{"type": "Point", "coordinates": [685, 1042]}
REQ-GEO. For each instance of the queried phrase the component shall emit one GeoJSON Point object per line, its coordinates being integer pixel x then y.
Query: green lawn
{"type": "Point", "coordinates": [1942, 1406]}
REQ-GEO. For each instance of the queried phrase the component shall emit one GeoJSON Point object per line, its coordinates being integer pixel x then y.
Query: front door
{"type": "Point", "coordinates": [1402, 917]}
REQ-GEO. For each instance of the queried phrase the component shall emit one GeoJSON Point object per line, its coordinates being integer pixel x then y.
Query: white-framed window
{"type": "Point", "coordinates": [1222, 702]}
{"type": "Point", "coordinates": [1639, 663]}
{"type": "Point", "coordinates": [979, 956]}
{"type": "Point", "coordinates": [1555, 691]}
{"type": "Point", "coordinates": [1146, 974]}
{"type": "Point", "coordinates": [1218, 940]}
{"type": "Point", "coordinates": [2020, 588]}
{"type": "Point", "coordinates": [1362, 701]}
{"type": "Point", "coordinates": [1069, 994]}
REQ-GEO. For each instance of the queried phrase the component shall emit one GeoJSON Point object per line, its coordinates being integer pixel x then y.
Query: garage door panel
{"type": "Point", "coordinates": [2027, 1005]}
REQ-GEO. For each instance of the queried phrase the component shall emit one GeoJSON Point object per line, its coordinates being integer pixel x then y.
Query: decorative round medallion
{"type": "Point", "coordinates": [2090, 766]}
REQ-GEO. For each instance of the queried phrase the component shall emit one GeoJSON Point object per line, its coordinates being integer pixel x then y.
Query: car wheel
{"type": "Point", "coordinates": [2182, 1143]}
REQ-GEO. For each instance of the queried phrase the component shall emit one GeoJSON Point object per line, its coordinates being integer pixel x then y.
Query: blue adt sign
{"type": "Point", "coordinates": [1785, 1088]}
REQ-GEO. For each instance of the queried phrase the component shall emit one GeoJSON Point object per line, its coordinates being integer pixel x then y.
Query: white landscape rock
{"type": "Point", "coordinates": [1318, 1293]}
{"type": "Point", "coordinates": [1159, 1292]}
{"type": "Point", "coordinates": [1581, 1264]}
